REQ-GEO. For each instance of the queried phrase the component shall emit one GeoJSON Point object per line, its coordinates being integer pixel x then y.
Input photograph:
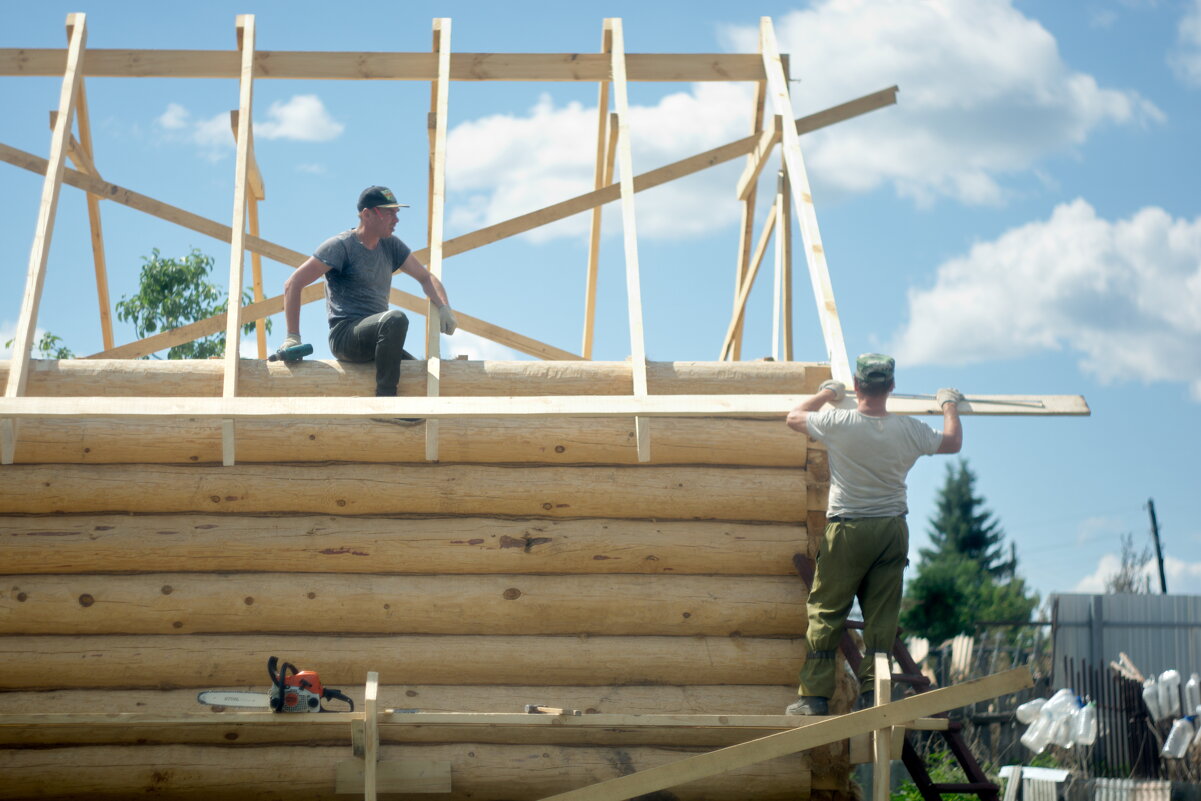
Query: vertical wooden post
{"type": "Point", "coordinates": [256, 192]}
{"type": "Point", "coordinates": [630, 234]}
{"type": "Point", "coordinates": [882, 737]}
{"type": "Point", "coordinates": [18, 371]}
{"type": "Point", "coordinates": [439, 100]}
{"type": "Point", "coordinates": [794, 165]}
{"type": "Point", "coordinates": [749, 280]}
{"type": "Point", "coordinates": [746, 232]}
{"type": "Point", "coordinates": [237, 251]}
{"type": "Point", "coordinates": [602, 176]}
{"type": "Point", "coordinates": [777, 294]}
{"type": "Point", "coordinates": [784, 260]}
{"type": "Point", "coordinates": [370, 736]}
{"type": "Point", "coordinates": [97, 231]}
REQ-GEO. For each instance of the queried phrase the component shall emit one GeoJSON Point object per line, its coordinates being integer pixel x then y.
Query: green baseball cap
{"type": "Point", "coordinates": [874, 368]}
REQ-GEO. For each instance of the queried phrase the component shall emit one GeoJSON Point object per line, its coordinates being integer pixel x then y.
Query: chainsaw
{"type": "Point", "coordinates": [292, 690]}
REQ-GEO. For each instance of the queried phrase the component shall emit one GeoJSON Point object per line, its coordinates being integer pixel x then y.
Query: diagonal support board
{"type": "Point", "coordinates": [794, 164]}
{"type": "Point", "coordinates": [18, 373]}
{"type": "Point", "coordinates": [629, 228]}
{"type": "Point", "coordinates": [827, 730]}
{"type": "Point", "coordinates": [602, 176]}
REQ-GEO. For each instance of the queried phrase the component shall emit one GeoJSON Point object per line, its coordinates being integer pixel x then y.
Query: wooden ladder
{"type": "Point", "coordinates": [977, 783]}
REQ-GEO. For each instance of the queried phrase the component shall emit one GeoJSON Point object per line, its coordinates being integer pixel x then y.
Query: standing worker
{"type": "Point", "coordinates": [358, 265]}
{"type": "Point", "coordinates": [864, 549]}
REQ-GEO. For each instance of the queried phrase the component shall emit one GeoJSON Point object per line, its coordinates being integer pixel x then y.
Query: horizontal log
{"type": "Point", "coordinates": [318, 378]}
{"type": "Point", "coordinates": [463, 545]}
{"type": "Point", "coordinates": [660, 699]}
{"type": "Point", "coordinates": [237, 660]}
{"type": "Point", "coordinates": [246, 727]}
{"type": "Point", "coordinates": [480, 772]}
{"type": "Point", "coordinates": [306, 65]}
{"type": "Point", "coordinates": [730, 441]}
{"type": "Point", "coordinates": [656, 492]}
{"type": "Point", "coordinates": [187, 603]}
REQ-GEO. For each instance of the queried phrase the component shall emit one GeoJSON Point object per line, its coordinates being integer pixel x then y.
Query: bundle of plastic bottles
{"type": "Point", "coordinates": [1065, 719]}
{"type": "Point", "coordinates": [1164, 701]}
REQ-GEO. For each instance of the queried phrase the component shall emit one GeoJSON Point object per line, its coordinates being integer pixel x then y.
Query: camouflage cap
{"type": "Point", "coordinates": [874, 368]}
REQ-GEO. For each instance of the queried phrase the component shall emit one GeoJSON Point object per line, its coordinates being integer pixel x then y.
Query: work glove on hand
{"type": "Point", "coordinates": [837, 387]}
{"type": "Point", "coordinates": [447, 321]}
{"type": "Point", "coordinates": [948, 395]}
{"type": "Point", "coordinates": [291, 341]}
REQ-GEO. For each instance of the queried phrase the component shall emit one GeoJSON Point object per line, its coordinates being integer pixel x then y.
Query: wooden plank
{"type": "Point", "coordinates": [606, 141]}
{"type": "Point", "coordinates": [321, 65]}
{"type": "Point", "coordinates": [766, 406]}
{"type": "Point", "coordinates": [732, 341]}
{"type": "Point", "coordinates": [439, 102]}
{"type": "Point", "coordinates": [815, 255]}
{"type": "Point", "coordinates": [827, 730]}
{"type": "Point", "coordinates": [784, 260]}
{"type": "Point", "coordinates": [757, 159]}
{"type": "Point", "coordinates": [85, 160]}
{"type": "Point", "coordinates": [370, 736]}
{"type": "Point", "coordinates": [44, 229]}
{"type": "Point", "coordinates": [629, 232]}
{"type": "Point", "coordinates": [881, 740]}
{"type": "Point", "coordinates": [237, 251]}
{"type": "Point", "coordinates": [746, 228]}
{"type": "Point", "coordinates": [257, 192]}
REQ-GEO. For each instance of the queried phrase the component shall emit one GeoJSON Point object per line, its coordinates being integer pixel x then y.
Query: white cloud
{"type": "Point", "coordinates": [1185, 57]}
{"type": "Point", "coordinates": [476, 348]}
{"type": "Point", "coordinates": [1184, 578]}
{"type": "Point", "coordinates": [312, 168]}
{"type": "Point", "coordinates": [504, 165]}
{"type": "Point", "coordinates": [302, 118]}
{"type": "Point", "coordinates": [984, 93]}
{"type": "Point", "coordinates": [1123, 295]}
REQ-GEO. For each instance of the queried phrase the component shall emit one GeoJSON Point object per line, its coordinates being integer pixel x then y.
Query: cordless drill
{"type": "Point", "coordinates": [292, 354]}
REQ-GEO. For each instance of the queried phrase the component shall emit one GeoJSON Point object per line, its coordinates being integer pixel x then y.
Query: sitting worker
{"type": "Point", "coordinates": [358, 266]}
{"type": "Point", "coordinates": [864, 548]}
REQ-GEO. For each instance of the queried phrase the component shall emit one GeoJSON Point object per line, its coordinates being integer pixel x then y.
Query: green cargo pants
{"type": "Point", "coordinates": [862, 558]}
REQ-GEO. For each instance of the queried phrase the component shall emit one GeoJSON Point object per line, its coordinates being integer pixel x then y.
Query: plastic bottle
{"type": "Point", "coordinates": [1038, 734]}
{"type": "Point", "coordinates": [1028, 712]}
{"type": "Point", "coordinates": [1192, 692]}
{"type": "Point", "coordinates": [1061, 734]}
{"type": "Point", "coordinates": [1151, 698]}
{"type": "Point", "coordinates": [1084, 725]}
{"type": "Point", "coordinates": [1062, 703]}
{"type": "Point", "coordinates": [1176, 746]}
{"type": "Point", "coordinates": [1169, 693]}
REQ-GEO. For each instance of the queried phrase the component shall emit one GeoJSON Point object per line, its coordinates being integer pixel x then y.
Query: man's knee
{"type": "Point", "coordinates": [394, 324]}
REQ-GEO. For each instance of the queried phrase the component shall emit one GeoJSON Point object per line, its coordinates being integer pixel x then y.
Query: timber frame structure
{"type": "Point", "coordinates": [164, 529]}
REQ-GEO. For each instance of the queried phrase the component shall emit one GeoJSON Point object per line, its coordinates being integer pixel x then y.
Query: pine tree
{"type": "Point", "coordinates": [962, 526]}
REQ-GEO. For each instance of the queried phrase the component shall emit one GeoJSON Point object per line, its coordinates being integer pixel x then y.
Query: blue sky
{"type": "Point", "coordinates": [1025, 220]}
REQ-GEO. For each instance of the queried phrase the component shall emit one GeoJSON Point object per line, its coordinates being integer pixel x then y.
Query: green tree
{"type": "Point", "coordinates": [962, 526]}
{"type": "Point", "coordinates": [964, 578]}
{"type": "Point", "coordinates": [50, 346]}
{"type": "Point", "coordinates": [175, 292]}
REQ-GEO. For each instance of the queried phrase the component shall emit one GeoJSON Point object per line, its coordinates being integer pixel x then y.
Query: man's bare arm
{"type": "Point", "coordinates": [308, 272]}
{"type": "Point", "coordinates": [829, 393]}
{"type": "Point", "coordinates": [952, 427]}
{"type": "Point", "coordinates": [433, 288]}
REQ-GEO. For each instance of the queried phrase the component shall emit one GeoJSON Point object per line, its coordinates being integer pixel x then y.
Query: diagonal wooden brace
{"type": "Point", "coordinates": [803, 738]}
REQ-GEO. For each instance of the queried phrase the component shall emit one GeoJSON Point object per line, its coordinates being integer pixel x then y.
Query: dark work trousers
{"type": "Point", "coordinates": [862, 558]}
{"type": "Point", "coordinates": [379, 338]}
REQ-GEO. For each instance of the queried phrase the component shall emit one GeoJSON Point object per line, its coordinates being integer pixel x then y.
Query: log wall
{"type": "Point", "coordinates": [537, 563]}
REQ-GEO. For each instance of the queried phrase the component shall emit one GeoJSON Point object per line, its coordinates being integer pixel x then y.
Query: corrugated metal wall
{"type": "Point", "coordinates": [1157, 632]}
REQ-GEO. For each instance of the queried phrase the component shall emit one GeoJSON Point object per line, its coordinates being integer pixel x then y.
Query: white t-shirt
{"type": "Point", "coordinates": [870, 458]}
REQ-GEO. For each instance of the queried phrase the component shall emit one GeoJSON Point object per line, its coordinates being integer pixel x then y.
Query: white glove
{"type": "Point", "coordinates": [948, 395]}
{"type": "Point", "coordinates": [291, 341]}
{"type": "Point", "coordinates": [448, 322]}
{"type": "Point", "coordinates": [837, 387]}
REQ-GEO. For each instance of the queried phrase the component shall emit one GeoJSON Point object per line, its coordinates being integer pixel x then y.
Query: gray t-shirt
{"type": "Point", "coordinates": [870, 458]}
{"type": "Point", "coordinates": [358, 280]}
